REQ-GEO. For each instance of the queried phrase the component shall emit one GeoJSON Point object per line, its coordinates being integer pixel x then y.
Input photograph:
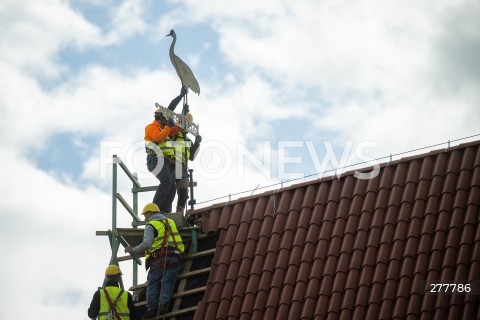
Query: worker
{"type": "Point", "coordinates": [161, 155]}
{"type": "Point", "coordinates": [163, 248]}
{"type": "Point", "coordinates": [184, 151]}
{"type": "Point", "coordinates": [112, 302]}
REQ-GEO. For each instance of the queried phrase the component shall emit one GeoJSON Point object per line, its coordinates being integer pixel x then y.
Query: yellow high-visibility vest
{"type": "Point", "coordinates": [182, 147]}
{"type": "Point", "coordinates": [158, 241]}
{"type": "Point", "coordinates": [121, 306]}
{"type": "Point", "coordinates": [166, 147]}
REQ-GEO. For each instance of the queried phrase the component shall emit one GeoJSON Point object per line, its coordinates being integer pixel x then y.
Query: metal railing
{"type": "Point", "coordinates": [114, 237]}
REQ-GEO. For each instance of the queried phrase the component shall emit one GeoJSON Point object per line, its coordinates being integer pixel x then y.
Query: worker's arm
{"type": "Point", "coordinates": [195, 147]}
{"type": "Point", "coordinates": [175, 130]}
{"type": "Point", "coordinates": [153, 133]}
{"type": "Point", "coordinates": [148, 236]}
{"type": "Point", "coordinates": [94, 306]}
{"type": "Point", "coordinates": [174, 103]}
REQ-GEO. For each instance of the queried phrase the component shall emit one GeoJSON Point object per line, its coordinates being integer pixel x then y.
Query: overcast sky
{"type": "Point", "coordinates": [288, 89]}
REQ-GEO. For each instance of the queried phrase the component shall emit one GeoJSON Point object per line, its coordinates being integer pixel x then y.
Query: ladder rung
{"type": "Point", "coordinates": [178, 295]}
{"type": "Point", "coordinates": [188, 292]}
{"type": "Point", "coordinates": [194, 273]}
{"type": "Point", "coordinates": [199, 254]}
{"type": "Point", "coordinates": [181, 311]}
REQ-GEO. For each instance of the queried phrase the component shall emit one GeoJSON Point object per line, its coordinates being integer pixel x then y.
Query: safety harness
{"type": "Point", "coordinates": [172, 255]}
{"type": "Point", "coordinates": [113, 305]}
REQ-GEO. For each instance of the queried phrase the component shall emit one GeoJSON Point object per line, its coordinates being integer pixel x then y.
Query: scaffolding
{"type": "Point", "coordinates": [126, 236]}
{"type": "Point", "coordinates": [200, 248]}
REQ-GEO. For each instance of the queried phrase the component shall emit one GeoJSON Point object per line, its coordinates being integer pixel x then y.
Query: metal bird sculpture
{"type": "Point", "coordinates": [183, 71]}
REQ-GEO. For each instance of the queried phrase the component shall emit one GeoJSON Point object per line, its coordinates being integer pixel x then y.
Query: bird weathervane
{"type": "Point", "coordinates": [183, 71]}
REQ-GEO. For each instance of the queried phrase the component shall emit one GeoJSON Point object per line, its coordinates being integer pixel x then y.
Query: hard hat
{"type": "Point", "coordinates": [113, 270]}
{"type": "Point", "coordinates": [189, 117]}
{"type": "Point", "coordinates": [158, 110]}
{"type": "Point", "coordinates": [150, 207]}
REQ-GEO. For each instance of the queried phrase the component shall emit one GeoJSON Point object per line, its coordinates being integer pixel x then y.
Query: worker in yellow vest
{"type": "Point", "coordinates": [184, 151]}
{"type": "Point", "coordinates": [112, 302]}
{"type": "Point", "coordinates": [163, 248]}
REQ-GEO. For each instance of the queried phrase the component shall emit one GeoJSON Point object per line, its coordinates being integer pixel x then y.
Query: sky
{"type": "Point", "coordinates": [290, 90]}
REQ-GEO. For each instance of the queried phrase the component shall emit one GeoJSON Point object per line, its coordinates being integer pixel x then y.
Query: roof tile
{"type": "Point", "coordinates": [265, 281]}
{"type": "Point", "coordinates": [313, 288]}
{"type": "Point", "coordinates": [224, 217]}
{"type": "Point", "coordinates": [282, 259]}
{"type": "Point", "coordinates": [273, 296]}
{"type": "Point", "coordinates": [238, 253]}
{"type": "Point", "coordinates": [297, 200]}
{"type": "Point", "coordinates": [267, 226]}
{"type": "Point", "coordinates": [235, 307]}
{"type": "Point", "coordinates": [283, 205]}
{"type": "Point", "coordinates": [352, 279]}
{"type": "Point", "coordinates": [474, 197]}
{"type": "Point", "coordinates": [223, 307]}
{"type": "Point", "coordinates": [240, 286]}
{"type": "Point", "coordinates": [295, 256]}
{"type": "Point", "coordinates": [270, 312]}
{"type": "Point", "coordinates": [475, 177]}
{"type": "Point", "coordinates": [279, 223]}
{"type": "Point", "coordinates": [308, 308]}
{"type": "Point", "coordinates": [261, 300]}
{"type": "Point", "coordinates": [341, 248]}
{"type": "Point", "coordinates": [225, 254]}
{"type": "Point", "coordinates": [211, 221]}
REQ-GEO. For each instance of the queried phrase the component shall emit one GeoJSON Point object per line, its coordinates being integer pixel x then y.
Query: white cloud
{"type": "Point", "coordinates": [385, 59]}
{"type": "Point", "coordinates": [126, 21]}
{"type": "Point", "coordinates": [34, 31]}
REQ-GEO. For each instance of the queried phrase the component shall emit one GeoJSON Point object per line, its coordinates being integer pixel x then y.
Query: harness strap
{"type": "Point", "coordinates": [165, 236]}
{"type": "Point", "coordinates": [113, 304]}
{"type": "Point", "coordinates": [167, 227]}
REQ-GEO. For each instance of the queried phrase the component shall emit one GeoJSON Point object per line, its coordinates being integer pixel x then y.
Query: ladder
{"type": "Point", "coordinates": [190, 284]}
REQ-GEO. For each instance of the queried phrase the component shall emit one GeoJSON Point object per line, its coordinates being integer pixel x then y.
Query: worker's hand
{"type": "Point", "coordinates": [170, 123]}
{"type": "Point", "coordinates": [198, 139]}
{"type": "Point", "coordinates": [128, 249]}
{"type": "Point", "coordinates": [183, 91]}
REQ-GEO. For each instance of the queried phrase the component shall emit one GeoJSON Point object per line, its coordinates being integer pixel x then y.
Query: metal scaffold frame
{"type": "Point", "coordinates": [113, 235]}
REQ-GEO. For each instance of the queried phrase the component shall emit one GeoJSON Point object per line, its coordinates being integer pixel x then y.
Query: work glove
{"type": "Point", "coordinates": [198, 139]}
{"type": "Point", "coordinates": [170, 123]}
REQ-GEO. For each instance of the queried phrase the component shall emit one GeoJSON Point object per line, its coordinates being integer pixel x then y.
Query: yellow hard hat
{"type": "Point", "coordinates": [189, 117]}
{"type": "Point", "coordinates": [158, 110]}
{"type": "Point", "coordinates": [150, 207]}
{"type": "Point", "coordinates": [113, 270]}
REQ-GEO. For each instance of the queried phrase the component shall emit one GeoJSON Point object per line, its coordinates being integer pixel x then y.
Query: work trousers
{"type": "Point", "coordinates": [165, 193]}
{"type": "Point", "coordinates": [160, 285]}
{"type": "Point", "coordinates": [182, 189]}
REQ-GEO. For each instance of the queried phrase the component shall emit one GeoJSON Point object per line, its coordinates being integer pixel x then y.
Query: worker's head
{"type": "Point", "coordinates": [189, 117]}
{"type": "Point", "coordinates": [149, 210]}
{"type": "Point", "coordinates": [113, 271]}
{"type": "Point", "coordinates": [159, 114]}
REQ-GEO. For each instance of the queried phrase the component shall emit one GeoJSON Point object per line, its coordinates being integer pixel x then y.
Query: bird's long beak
{"type": "Point", "coordinates": [168, 35]}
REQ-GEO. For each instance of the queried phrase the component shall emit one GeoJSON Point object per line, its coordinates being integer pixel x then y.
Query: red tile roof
{"type": "Point", "coordinates": [349, 248]}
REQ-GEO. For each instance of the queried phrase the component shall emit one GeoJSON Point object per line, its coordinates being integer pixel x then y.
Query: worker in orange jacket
{"type": "Point", "coordinates": [161, 155]}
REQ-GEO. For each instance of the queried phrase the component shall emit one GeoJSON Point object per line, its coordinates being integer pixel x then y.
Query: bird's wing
{"type": "Point", "coordinates": [186, 75]}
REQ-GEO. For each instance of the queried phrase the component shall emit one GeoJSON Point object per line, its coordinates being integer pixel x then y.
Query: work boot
{"type": "Point", "coordinates": [180, 209]}
{"type": "Point", "coordinates": [150, 313]}
{"type": "Point", "coordinates": [162, 309]}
